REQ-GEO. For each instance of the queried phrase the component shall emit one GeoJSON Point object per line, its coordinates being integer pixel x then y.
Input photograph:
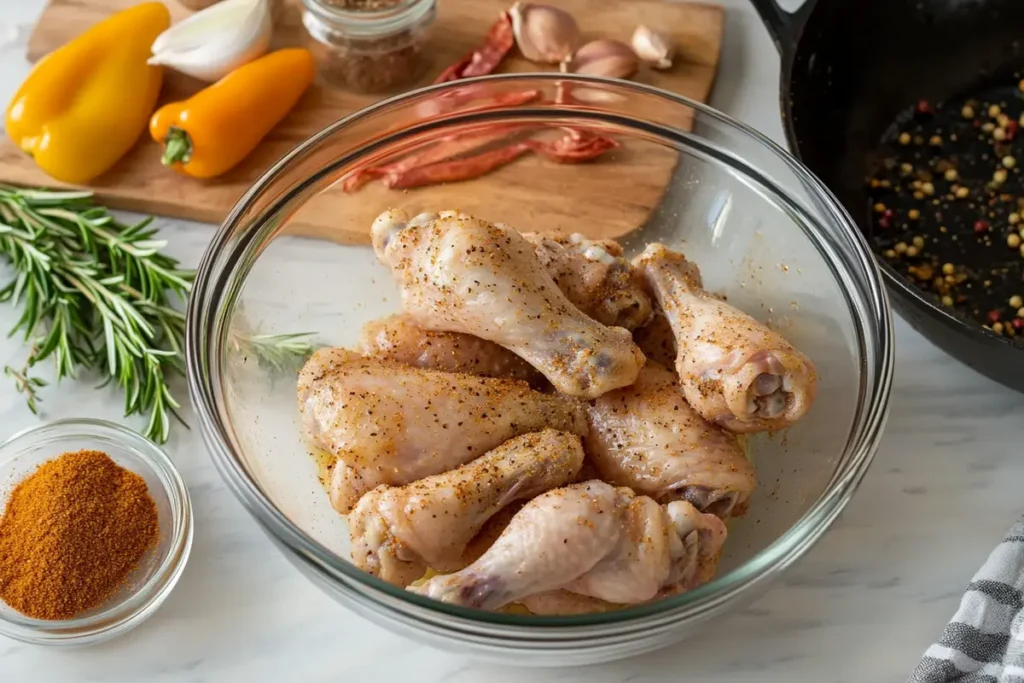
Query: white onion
{"type": "Point", "coordinates": [212, 43]}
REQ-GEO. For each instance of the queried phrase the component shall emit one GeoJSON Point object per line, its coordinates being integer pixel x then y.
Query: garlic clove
{"type": "Point", "coordinates": [608, 58]}
{"type": "Point", "coordinates": [212, 43]}
{"type": "Point", "coordinates": [544, 34]}
{"type": "Point", "coordinates": [654, 47]}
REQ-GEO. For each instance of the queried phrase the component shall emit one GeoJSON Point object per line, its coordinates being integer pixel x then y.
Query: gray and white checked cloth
{"type": "Point", "coordinates": [984, 643]}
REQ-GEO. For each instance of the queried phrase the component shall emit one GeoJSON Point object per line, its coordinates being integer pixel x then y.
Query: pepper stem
{"type": "Point", "coordinates": [177, 147]}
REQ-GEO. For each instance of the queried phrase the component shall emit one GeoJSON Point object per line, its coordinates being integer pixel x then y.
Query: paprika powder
{"type": "Point", "coordinates": [71, 534]}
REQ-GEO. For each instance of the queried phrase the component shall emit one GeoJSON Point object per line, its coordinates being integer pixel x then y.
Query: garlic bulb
{"type": "Point", "coordinates": [608, 58]}
{"type": "Point", "coordinates": [544, 34]}
{"type": "Point", "coordinates": [212, 43]}
{"type": "Point", "coordinates": [653, 47]}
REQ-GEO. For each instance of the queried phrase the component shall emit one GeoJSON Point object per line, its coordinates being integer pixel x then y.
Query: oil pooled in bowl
{"type": "Point", "coordinates": [325, 463]}
{"type": "Point", "coordinates": [947, 202]}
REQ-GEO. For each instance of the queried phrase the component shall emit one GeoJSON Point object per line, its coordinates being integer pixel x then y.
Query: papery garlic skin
{"type": "Point", "coordinates": [607, 58]}
{"type": "Point", "coordinates": [544, 34]}
{"type": "Point", "coordinates": [213, 42]}
{"type": "Point", "coordinates": [653, 47]}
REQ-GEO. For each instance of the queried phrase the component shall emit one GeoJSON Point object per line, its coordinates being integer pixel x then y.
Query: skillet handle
{"type": "Point", "coordinates": [785, 27]}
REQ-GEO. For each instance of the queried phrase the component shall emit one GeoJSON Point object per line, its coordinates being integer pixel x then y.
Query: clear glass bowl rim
{"type": "Point", "coordinates": [164, 577]}
{"type": "Point", "coordinates": [204, 345]}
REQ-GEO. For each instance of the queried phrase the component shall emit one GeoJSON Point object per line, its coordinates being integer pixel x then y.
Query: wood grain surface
{"type": "Point", "coordinates": [606, 198]}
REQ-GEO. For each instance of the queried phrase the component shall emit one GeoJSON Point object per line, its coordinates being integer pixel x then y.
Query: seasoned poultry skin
{"type": "Point", "coordinates": [398, 338]}
{"type": "Point", "coordinates": [591, 539]}
{"type": "Point", "coordinates": [647, 437]}
{"type": "Point", "coordinates": [594, 275]}
{"type": "Point", "coordinates": [734, 370]}
{"type": "Point", "coordinates": [397, 532]}
{"type": "Point", "coordinates": [461, 274]}
{"type": "Point", "coordinates": [390, 423]}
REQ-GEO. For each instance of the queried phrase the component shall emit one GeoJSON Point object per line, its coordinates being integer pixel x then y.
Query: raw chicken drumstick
{"type": "Point", "coordinates": [400, 339]}
{"type": "Point", "coordinates": [735, 371]}
{"type": "Point", "coordinates": [595, 277]}
{"type": "Point", "coordinates": [647, 437]}
{"type": "Point", "coordinates": [390, 423]}
{"type": "Point", "coordinates": [397, 532]}
{"type": "Point", "coordinates": [461, 274]}
{"type": "Point", "coordinates": [591, 539]}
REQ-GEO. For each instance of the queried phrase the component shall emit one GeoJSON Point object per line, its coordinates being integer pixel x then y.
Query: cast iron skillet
{"type": "Point", "coordinates": [848, 68]}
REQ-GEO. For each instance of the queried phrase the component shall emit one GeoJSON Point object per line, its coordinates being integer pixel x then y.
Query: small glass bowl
{"type": "Point", "coordinates": [148, 586]}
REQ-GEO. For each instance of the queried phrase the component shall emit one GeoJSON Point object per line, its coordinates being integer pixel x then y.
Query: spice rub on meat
{"type": "Point", "coordinates": [458, 273]}
{"type": "Point", "coordinates": [595, 277]}
{"type": "Point", "coordinates": [398, 338]}
{"type": "Point", "coordinates": [647, 437]}
{"type": "Point", "coordinates": [397, 532]}
{"type": "Point", "coordinates": [390, 423]}
{"type": "Point", "coordinates": [735, 371]}
{"type": "Point", "coordinates": [591, 539]}
{"type": "Point", "coordinates": [606, 484]}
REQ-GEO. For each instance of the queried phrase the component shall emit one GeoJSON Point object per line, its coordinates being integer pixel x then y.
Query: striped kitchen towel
{"type": "Point", "coordinates": [984, 643]}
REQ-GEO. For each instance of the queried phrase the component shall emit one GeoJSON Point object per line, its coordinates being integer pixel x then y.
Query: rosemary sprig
{"type": "Point", "coordinates": [279, 352]}
{"type": "Point", "coordinates": [97, 294]}
{"type": "Point", "coordinates": [26, 385]}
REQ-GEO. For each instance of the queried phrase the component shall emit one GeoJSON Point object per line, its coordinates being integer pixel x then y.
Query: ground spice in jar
{"type": "Point", "coordinates": [369, 46]}
{"type": "Point", "coordinates": [71, 533]}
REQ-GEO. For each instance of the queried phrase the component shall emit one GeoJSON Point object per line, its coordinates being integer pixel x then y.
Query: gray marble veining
{"type": "Point", "coordinates": [861, 606]}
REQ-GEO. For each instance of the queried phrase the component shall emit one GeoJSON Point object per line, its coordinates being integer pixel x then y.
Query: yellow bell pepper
{"type": "Point", "coordinates": [85, 104]}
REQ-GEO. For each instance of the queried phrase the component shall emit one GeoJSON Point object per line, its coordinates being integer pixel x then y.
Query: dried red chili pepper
{"type": "Point", "coordinates": [443, 149]}
{"type": "Point", "coordinates": [486, 58]}
{"type": "Point", "coordinates": [448, 102]}
{"type": "Point", "coordinates": [574, 147]}
{"type": "Point", "coordinates": [436, 164]}
{"type": "Point", "coordinates": [461, 169]}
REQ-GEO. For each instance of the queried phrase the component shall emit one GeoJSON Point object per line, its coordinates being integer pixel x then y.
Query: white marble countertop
{"type": "Point", "coordinates": [861, 606]}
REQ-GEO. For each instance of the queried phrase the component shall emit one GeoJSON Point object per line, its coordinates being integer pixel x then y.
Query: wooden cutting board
{"type": "Point", "coordinates": [625, 188]}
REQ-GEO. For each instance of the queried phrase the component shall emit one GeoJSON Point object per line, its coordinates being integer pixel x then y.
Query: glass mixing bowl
{"type": "Point", "coordinates": [293, 257]}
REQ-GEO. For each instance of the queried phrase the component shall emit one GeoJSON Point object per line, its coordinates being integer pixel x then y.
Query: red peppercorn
{"type": "Point", "coordinates": [884, 223]}
{"type": "Point", "coordinates": [977, 123]}
{"type": "Point", "coordinates": [924, 107]}
{"type": "Point", "coordinates": [994, 316]}
{"type": "Point", "coordinates": [1018, 324]}
{"type": "Point", "coordinates": [888, 214]}
{"type": "Point", "coordinates": [980, 226]}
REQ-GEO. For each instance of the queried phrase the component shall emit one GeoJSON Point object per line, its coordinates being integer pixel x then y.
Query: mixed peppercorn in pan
{"type": "Point", "coordinates": [948, 203]}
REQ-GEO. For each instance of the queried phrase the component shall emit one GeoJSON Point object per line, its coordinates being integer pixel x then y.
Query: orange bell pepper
{"type": "Point", "coordinates": [209, 133]}
{"type": "Point", "coordinates": [85, 104]}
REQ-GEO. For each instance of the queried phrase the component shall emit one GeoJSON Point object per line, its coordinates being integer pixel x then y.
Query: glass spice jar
{"type": "Point", "coordinates": [369, 46]}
